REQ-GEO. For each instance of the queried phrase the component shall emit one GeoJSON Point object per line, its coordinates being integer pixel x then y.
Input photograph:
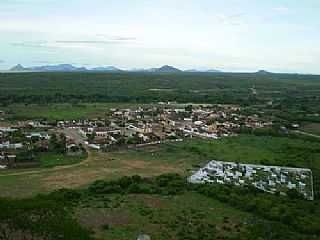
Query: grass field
{"type": "Point", "coordinates": [179, 158]}
{"type": "Point", "coordinates": [54, 112]}
{"type": "Point", "coordinates": [48, 160]}
{"type": "Point", "coordinates": [245, 149]}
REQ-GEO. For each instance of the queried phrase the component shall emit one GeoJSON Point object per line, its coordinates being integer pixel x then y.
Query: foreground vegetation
{"type": "Point", "coordinates": [165, 207]}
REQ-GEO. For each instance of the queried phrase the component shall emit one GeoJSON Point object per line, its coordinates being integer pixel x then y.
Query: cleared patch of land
{"type": "Point", "coordinates": [98, 166]}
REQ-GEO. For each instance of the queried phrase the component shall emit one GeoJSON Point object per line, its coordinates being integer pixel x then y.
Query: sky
{"type": "Point", "coordinates": [230, 35]}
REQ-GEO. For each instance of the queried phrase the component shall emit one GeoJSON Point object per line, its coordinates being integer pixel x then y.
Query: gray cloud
{"type": "Point", "coordinates": [107, 40]}
{"type": "Point", "coordinates": [55, 44]}
{"type": "Point", "coordinates": [87, 42]}
{"type": "Point", "coordinates": [116, 40]}
{"type": "Point", "coordinates": [35, 44]}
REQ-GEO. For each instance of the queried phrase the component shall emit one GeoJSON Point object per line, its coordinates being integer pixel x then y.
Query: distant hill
{"type": "Point", "coordinates": [59, 68]}
{"type": "Point", "coordinates": [106, 69]}
{"type": "Point", "coordinates": [63, 68]}
{"type": "Point", "coordinates": [167, 68]}
{"type": "Point", "coordinates": [263, 72]}
{"type": "Point", "coordinates": [214, 71]}
{"type": "Point", "coordinates": [18, 68]}
{"type": "Point", "coordinates": [203, 71]}
{"type": "Point", "coordinates": [71, 68]}
{"type": "Point", "coordinates": [49, 68]}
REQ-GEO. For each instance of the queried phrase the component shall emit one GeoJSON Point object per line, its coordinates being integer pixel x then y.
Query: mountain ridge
{"type": "Point", "coordinates": [48, 68]}
{"type": "Point", "coordinates": [72, 68]}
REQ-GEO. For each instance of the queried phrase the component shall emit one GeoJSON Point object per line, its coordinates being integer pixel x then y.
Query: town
{"type": "Point", "coordinates": [20, 143]}
{"type": "Point", "coordinates": [272, 179]}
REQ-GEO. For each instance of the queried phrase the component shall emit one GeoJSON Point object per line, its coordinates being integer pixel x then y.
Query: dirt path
{"type": "Point", "coordinates": [54, 169]}
{"type": "Point", "coordinates": [307, 134]}
{"type": "Point", "coordinates": [97, 166]}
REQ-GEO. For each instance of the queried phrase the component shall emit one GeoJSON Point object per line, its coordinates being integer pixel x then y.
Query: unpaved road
{"type": "Point", "coordinates": [307, 134]}
{"type": "Point", "coordinates": [54, 169]}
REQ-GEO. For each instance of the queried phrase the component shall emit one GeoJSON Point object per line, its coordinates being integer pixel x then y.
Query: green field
{"type": "Point", "coordinates": [266, 150]}
{"type": "Point", "coordinates": [53, 112]}
{"type": "Point", "coordinates": [48, 160]}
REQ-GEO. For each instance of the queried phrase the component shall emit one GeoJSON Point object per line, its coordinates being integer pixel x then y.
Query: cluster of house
{"type": "Point", "coordinates": [160, 123]}
{"type": "Point", "coordinates": [217, 122]}
{"type": "Point", "coordinates": [272, 179]}
{"type": "Point", "coordinates": [139, 126]}
{"type": "Point", "coordinates": [7, 148]}
{"type": "Point", "coordinates": [11, 146]}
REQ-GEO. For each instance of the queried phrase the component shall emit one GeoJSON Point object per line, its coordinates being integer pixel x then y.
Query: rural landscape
{"type": "Point", "coordinates": [159, 120]}
{"type": "Point", "coordinates": [116, 168]}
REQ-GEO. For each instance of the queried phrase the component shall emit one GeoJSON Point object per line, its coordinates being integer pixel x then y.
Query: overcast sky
{"type": "Point", "coordinates": [233, 35]}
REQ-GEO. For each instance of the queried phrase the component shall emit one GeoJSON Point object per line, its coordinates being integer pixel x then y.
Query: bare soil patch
{"type": "Point", "coordinates": [97, 218]}
{"type": "Point", "coordinates": [149, 200]}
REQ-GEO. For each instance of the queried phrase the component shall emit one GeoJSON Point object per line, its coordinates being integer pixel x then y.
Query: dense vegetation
{"type": "Point", "coordinates": [295, 97]}
{"type": "Point", "coordinates": [260, 215]}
